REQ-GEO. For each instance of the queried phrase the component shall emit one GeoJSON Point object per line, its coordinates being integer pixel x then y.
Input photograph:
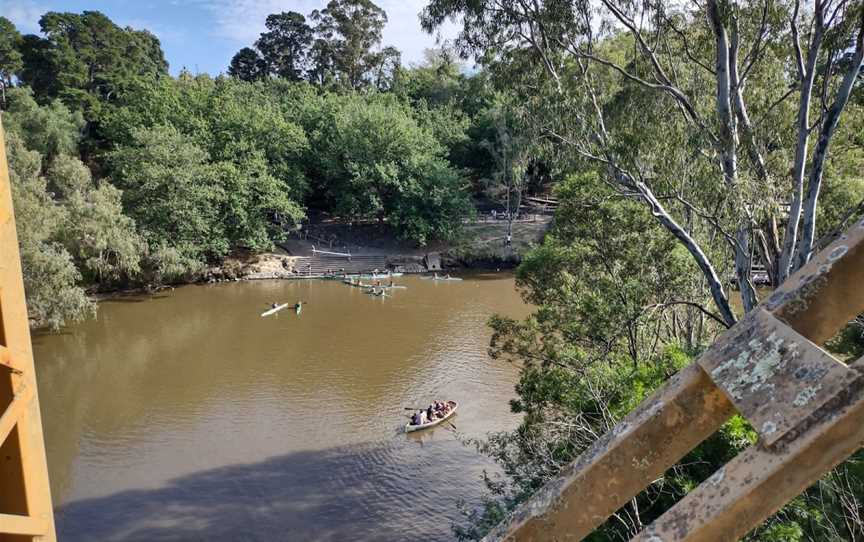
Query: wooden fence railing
{"type": "Point", "coordinates": [25, 496]}
{"type": "Point", "coordinates": [807, 407]}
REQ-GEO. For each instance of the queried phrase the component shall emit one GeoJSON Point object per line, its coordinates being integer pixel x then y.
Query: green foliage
{"type": "Point", "coordinates": [101, 239]}
{"type": "Point", "coordinates": [50, 130]}
{"type": "Point", "coordinates": [50, 276]}
{"type": "Point", "coordinates": [172, 192]}
{"type": "Point", "coordinates": [347, 31]}
{"type": "Point", "coordinates": [285, 45]}
{"type": "Point", "coordinates": [374, 161]}
{"type": "Point", "coordinates": [85, 58]}
{"type": "Point", "coordinates": [247, 65]}
{"type": "Point", "coordinates": [188, 200]}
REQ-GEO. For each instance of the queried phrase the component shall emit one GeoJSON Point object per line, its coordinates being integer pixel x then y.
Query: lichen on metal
{"type": "Point", "coordinates": [807, 406]}
{"type": "Point", "coordinates": [774, 376]}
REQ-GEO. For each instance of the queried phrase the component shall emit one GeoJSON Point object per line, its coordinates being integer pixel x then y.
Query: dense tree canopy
{"type": "Point", "coordinates": [247, 65]}
{"type": "Point", "coordinates": [85, 59]}
{"type": "Point", "coordinates": [285, 45]}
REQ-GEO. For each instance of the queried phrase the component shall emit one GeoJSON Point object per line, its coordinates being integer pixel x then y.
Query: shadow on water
{"type": "Point", "coordinates": [134, 298]}
{"type": "Point", "coordinates": [345, 493]}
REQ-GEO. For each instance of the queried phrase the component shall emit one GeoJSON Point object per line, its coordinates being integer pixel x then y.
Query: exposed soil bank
{"type": "Point", "coordinates": [323, 248]}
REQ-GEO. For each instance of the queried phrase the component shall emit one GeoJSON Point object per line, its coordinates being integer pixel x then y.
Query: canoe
{"type": "Point", "coordinates": [275, 309]}
{"type": "Point", "coordinates": [409, 428]}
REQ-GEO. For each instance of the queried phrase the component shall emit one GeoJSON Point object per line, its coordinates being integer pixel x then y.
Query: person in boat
{"type": "Point", "coordinates": [430, 413]}
{"type": "Point", "coordinates": [447, 276]}
{"type": "Point", "coordinates": [423, 418]}
{"type": "Point", "coordinates": [274, 305]}
{"type": "Point", "coordinates": [391, 283]}
{"type": "Point", "coordinates": [415, 419]}
{"type": "Point", "coordinates": [435, 276]}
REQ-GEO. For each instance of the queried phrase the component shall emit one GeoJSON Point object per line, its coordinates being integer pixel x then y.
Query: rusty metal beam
{"type": "Point", "coordinates": [760, 480]}
{"type": "Point", "coordinates": [687, 410]}
{"type": "Point", "coordinates": [814, 302]}
{"type": "Point", "coordinates": [826, 293]}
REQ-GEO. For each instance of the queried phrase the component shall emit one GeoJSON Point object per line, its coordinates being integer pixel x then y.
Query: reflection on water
{"type": "Point", "coordinates": [189, 417]}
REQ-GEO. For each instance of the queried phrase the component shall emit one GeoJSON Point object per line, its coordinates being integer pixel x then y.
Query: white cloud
{"type": "Point", "coordinates": [243, 20]}
{"type": "Point", "coordinates": [24, 13]}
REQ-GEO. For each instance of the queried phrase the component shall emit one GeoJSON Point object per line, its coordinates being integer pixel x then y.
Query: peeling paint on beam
{"type": "Point", "coordinates": [815, 302]}
{"type": "Point", "coordinates": [760, 480]}
{"type": "Point", "coordinates": [688, 409]}
{"type": "Point", "coordinates": [775, 377]}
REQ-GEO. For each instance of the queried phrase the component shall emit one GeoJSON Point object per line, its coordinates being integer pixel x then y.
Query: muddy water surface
{"type": "Point", "coordinates": [189, 417]}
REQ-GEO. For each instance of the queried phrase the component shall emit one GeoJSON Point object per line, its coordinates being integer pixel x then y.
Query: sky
{"type": "Point", "coordinates": [203, 35]}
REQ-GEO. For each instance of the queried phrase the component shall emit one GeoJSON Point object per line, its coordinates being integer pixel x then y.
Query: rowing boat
{"type": "Point", "coordinates": [275, 309]}
{"type": "Point", "coordinates": [441, 278]}
{"type": "Point", "coordinates": [409, 428]}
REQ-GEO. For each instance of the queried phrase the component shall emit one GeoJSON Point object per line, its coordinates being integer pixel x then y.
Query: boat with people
{"type": "Point", "coordinates": [420, 420]}
{"type": "Point", "coordinates": [274, 309]}
{"type": "Point", "coordinates": [377, 292]}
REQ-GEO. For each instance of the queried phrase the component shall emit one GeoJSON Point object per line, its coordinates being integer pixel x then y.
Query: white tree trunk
{"type": "Point", "coordinates": [790, 239]}
{"type": "Point", "coordinates": [829, 127]}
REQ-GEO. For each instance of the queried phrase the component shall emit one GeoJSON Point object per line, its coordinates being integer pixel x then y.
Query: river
{"type": "Point", "coordinates": [187, 416]}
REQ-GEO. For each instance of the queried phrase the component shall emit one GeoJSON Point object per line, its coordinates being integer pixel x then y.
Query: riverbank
{"type": "Point", "coordinates": [325, 247]}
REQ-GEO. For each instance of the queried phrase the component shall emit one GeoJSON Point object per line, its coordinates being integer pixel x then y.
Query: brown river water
{"type": "Point", "coordinates": [187, 416]}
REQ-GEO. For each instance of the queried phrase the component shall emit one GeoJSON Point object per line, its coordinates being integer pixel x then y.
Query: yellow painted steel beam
{"type": "Point", "coordinates": [24, 487]}
{"type": "Point", "coordinates": [13, 413]}
{"type": "Point", "coordinates": [23, 525]}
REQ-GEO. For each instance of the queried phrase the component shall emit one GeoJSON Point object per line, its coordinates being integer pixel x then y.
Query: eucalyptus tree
{"type": "Point", "coordinates": [721, 74]}
{"type": "Point", "coordinates": [510, 152]}
{"type": "Point", "coordinates": [346, 48]}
